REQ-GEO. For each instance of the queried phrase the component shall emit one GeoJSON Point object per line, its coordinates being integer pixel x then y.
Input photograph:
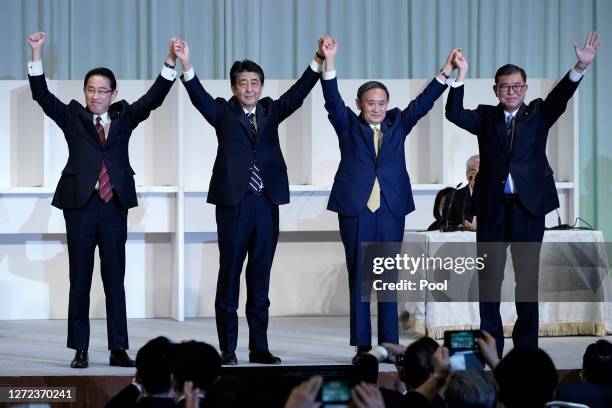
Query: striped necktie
{"type": "Point", "coordinates": [105, 188]}
{"type": "Point", "coordinates": [256, 183]}
{"type": "Point", "coordinates": [509, 130]}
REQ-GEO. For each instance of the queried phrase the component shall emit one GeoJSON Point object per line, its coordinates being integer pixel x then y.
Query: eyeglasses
{"type": "Point", "coordinates": [516, 88]}
{"type": "Point", "coordinates": [101, 92]}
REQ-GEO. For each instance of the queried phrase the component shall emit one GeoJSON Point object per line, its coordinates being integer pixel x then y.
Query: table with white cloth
{"type": "Point", "coordinates": [556, 318]}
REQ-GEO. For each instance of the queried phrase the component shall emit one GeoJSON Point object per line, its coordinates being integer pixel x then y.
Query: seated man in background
{"type": "Point", "coordinates": [460, 216]}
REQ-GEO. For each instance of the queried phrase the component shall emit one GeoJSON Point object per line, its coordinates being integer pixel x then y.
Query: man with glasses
{"type": "Point", "coordinates": [515, 188]}
{"type": "Point", "coordinates": [96, 190]}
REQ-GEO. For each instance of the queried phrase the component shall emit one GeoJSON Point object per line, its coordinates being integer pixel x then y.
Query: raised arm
{"type": "Point", "coordinates": [423, 103]}
{"type": "Point", "coordinates": [291, 100]}
{"type": "Point", "coordinates": [36, 42]}
{"type": "Point", "coordinates": [587, 53]}
{"type": "Point", "coordinates": [469, 120]}
{"type": "Point", "coordinates": [200, 99]}
{"type": "Point", "coordinates": [154, 97]}
{"type": "Point", "coordinates": [556, 101]}
{"type": "Point", "coordinates": [334, 105]}
{"type": "Point", "coordinates": [53, 107]}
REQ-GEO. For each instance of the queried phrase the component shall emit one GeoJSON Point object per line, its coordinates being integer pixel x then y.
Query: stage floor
{"type": "Point", "coordinates": [37, 347]}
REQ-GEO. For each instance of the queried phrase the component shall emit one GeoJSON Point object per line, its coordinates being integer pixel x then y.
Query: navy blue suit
{"type": "Point", "coordinates": [89, 221]}
{"type": "Point", "coordinates": [512, 218]}
{"type": "Point", "coordinates": [247, 222]}
{"type": "Point", "coordinates": [359, 166]}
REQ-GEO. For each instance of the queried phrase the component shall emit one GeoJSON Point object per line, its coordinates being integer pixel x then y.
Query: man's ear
{"type": "Point", "coordinates": [358, 103]}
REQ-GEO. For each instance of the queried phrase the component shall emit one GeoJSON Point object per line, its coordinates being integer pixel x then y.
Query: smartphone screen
{"type": "Point", "coordinates": [335, 393]}
{"type": "Point", "coordinates": [463, 349]}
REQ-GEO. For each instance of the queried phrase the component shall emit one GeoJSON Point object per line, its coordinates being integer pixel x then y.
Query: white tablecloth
{"type": "Point", "coordinates": [556, 319]}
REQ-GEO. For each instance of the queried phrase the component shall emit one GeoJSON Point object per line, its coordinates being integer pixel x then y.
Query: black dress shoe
{"type": "Point", "coordinates": [361, 350]}
{"type": "Point", "coordinates": [120, 358]}
{"type": "Point", "coordinates": [228, 358]}
{"type": "Point", "coordinates": [263, 357]}
{"type": "Point", "coordinates": [80, 360]}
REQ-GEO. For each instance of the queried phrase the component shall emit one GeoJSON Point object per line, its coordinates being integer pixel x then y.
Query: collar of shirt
{"type": "Point", "coordinates": [246, 112]}
{"type": "Point", "coordinates": [374, 126]}
{"type": "Point", "coordinates": [104, 119]}
{"type": "Point", "coordinates": [513, 114]}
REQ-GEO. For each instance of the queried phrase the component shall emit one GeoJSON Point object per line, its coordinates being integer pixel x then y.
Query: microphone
{"type": "Point", "coordinates": [560, 226]}
{"type": "Point", "coordinates": [462, 225]}
{"type": "Point", "coordinates": [450, 204]}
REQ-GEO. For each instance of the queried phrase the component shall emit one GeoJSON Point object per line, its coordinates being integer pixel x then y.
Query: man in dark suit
{"type": "Point", "coordinates": [95, 191]}
{"type": "Point", "coordinates": [371, 191]}
{"type": "Point", "coordinates": [460, 216]}
{"type": "Point", "coordinates": [248, 184]}
{"type": "Point", "coordinates": [515, 188]}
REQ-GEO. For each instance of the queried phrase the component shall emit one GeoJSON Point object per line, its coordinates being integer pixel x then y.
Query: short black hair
{"type": "Point", "coordinates": [245, 65]}
{"type": "Point", "coordinates": [526, 377]}
{"type": "Point", "coordinates": [371, 85]}
{"type": "Point", "coordinates": [101, 71]}
{"type": "Point", "coordinates": [510, 69]}
{"type": "Point", "coordinates": [445, 192]}
{"type": "Point", "coordinates": [597, 363]}
{"type": "Point", "coordinates": [154, 365]}
{"type": "Point", "coordinates": [417, 361]}
{"type": "Point", "coordinates": [198, 362]}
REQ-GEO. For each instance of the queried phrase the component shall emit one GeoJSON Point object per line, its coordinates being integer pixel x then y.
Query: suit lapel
{"type": "Point", "coordinates": [92, 133]}
{"type": "Point", "coordinates": [261, 116]}
{"type": "Point", "coordinates": [384, 127]}
{"type": "Point", "coordinates": [112, 137]}
{"type": "Point", "coordinates": [500, 130]}
{"type": "Point", "coordinates": [368, 136]}
{"type": "Point", "coordinates": [239, 114]}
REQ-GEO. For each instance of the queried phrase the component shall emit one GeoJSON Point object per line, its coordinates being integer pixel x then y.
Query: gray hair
{"type": "Point", "coordinates": [472, 160]}
{"type": "Point", "coordinates": [470, 389]}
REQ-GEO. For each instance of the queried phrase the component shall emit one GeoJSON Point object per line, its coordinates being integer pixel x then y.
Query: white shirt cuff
{"type": "Point", "coordinates": [456, 84]}
{"type": "Point", "coordinates": [188, 75]}
{"type": "Point", "coordinates": [440, 81]}
{"type": "Point", "coordinates": [35, 68]}
{"type": "Point", "coordinates": [329, 75]}
{"type": "Point", "coordinates": [574, 75]}
{"type": "Point", "coordinates": [316, 67]}
{"type": "Point", "coordinates": [168, 73]}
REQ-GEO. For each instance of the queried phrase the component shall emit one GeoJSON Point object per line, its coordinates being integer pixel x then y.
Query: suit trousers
{"type": "Point", "coordinates": [103, 225]}
{"type": "Point", "coordinates": [250, 228]}
{"type": "Point", "coordinates": [516, 227]}
{"type": "Point", "coordinates": [380, 226]}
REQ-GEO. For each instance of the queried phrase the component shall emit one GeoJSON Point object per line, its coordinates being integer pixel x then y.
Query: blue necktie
{"type": "Point", "coordinates": [509, 136]}
{"type": "Point", "coordinates": [256, 183]}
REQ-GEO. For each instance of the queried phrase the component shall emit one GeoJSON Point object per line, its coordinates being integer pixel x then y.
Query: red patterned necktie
{"type": "Point", "coordinates": [105, 188]}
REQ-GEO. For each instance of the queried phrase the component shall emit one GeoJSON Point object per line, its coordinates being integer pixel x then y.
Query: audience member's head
{"type": "Point", "coordinates": [597, 363]}
{"type": "Point", "coordinates": [198, 362]}
{"type": "Point", "coordinates": [470, 389]}
{"type": "Point", "coordinates": [154, 366]}
{"type": "Point", "coordinates": [416, 365]}
{"type": "Point", "coordinates": [366, 369]}
{"type": "Point", "coordinates": [526, 378]}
